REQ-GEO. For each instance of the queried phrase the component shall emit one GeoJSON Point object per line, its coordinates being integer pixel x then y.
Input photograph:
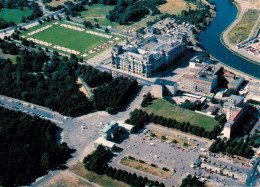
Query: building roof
{"type": "Point", "coordinates": [211, 109]}
{"type": "Point", "coordinates": [236, 114]}
{"type": "Point", "coordinates": [109, 126]}
{"type": "Point", "coordinates": [125, 125]}
{"type": "Point", "coordinates": [165, 82]}
{"type": "Point", "coordinates": [228, 74]}
{"type": "Point", "coordinates": [187, 76]}
{"type": "Point", "coordinates": [236, 98]}
{"type": "Point", "coordinates": [104, 142]}
{"type": "Point", "coordinates": [237, 81]}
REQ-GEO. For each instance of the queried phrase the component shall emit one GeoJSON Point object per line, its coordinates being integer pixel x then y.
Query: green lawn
{"type": "Point", "coordinates": [99, 12]}
{"type": "Point", "coordinates": [163, 108]}
{"type": "Point", "coordinates": [96, 10]}
{"type": "Point", "coordinates": [14, 14]}
{"type": "Point", "coordinates": [76, 40]}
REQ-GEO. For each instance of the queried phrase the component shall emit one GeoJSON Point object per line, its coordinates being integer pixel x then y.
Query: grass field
{"type": "Point", "coordinates": [174, 6]}
{"type": "Point", "coordinates": [180, 141]}
{"type": "Point", "coordinates": [14, 15]}
{"type": "Point", "coordinates": [242, 30]}
{"type": "Point", "coordinates": [55, 3]}
{"type": "Point", "coordinates": [79, 41]}
{"type": "Point", "coordinates": [163, 108]}
{"type": "Point", "coordinates": [101, 180]}
{"type": "Point", "coordinates": [145, 167]}
{"type": "Point", "coordinates": [99, 12]}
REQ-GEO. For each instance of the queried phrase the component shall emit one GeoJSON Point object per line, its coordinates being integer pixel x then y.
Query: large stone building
{"type": "Point", "coordinates": [202, 77]}
{"type": "Point", "coordinates": [145, 55]}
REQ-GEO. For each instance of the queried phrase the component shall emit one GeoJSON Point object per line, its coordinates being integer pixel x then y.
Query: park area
{"type": "Point", "coordinates": [91, 176]}
{"type": "Point", "coordinates": [69, 38]}
{"type": "Point", "coordinates": [97, 13]}
{"type": "Point", "coordinates": [165, 109]}
{"type": "Point", "coordinates": [242, 29]}
{"type": "Point", "coordinates": [14, 15]}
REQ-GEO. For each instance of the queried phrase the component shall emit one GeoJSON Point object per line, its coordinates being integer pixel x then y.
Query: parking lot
{"type": "Point", "coordinates": [162, 154]}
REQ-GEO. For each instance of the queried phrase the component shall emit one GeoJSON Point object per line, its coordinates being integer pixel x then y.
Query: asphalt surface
{"type": "Point", "coordinates": [79, 133]}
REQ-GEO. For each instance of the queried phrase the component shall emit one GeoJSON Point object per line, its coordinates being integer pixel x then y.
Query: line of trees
{"type": "Point", "coordinates": [191, 181]}
{"type": "Point", "coordinates": [97, 162]}
{"type": "Point", "coordinates": [28, 148]}
{"type": "Point", "coordinates": [232, 147]}
{"type": "Point", "coordinates": [138, 118]}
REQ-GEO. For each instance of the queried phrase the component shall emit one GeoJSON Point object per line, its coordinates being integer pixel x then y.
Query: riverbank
{"type": "Point", "coordinates": [225, 39]}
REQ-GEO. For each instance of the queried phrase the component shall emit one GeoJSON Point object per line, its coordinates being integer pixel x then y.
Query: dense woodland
{"type": "Point", "coordinates": [97, 162]}
{"type": "Point", "coordinates": [94, 77]}
{"type": "Point", "coordinates": [19, 4]}
{"type": "Point", "coordinates": [128, 11]}
{"type": "Point", "coordinates": [115, 95]}
{"type": "Point", "coordinates": [232, 147]}
{"type": "Point", "coordinates": [139, 118]}
{"type": "Point", "coordinates": [52, 85]}
{"type": "Point", "coordinates": [191, 181]}
{"type": "Point", "coordinates": [37, 76]}
{"type": "Point", "coordinates": [28, 148]}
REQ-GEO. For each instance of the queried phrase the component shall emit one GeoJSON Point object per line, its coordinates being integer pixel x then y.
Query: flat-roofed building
{"type": "Point", "coordinates": [235, 99]}
{"type": "Point", "coordinates": [254, 88]}
{"type": "Point", "coordinates": [201, 78]}
{"type": "Point", "coordinates": [125, 127]}
{"type": "Point", "coordinates": [157, 91]}
{"type": "Point", "coordinates": [236, 83]}
{"type": "Point", "coordinates": [105, 143]}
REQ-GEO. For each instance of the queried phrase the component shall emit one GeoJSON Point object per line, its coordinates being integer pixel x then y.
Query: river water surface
{"type": "Point", "coordinates": [210, 39]}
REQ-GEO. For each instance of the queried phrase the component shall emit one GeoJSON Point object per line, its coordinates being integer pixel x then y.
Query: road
{"type": "Point", "coordinates": [73, 134]}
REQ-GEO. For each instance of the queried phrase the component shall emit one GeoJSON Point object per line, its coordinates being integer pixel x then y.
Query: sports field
{"type": "Point", "coordinates": [76, 40]}
{"type": "Point", "coordinates": [14, 15]}
{"type": "Point", "coordinates": [163, 108]}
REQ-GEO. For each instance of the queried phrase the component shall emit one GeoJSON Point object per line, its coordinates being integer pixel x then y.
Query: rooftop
{"type": "Point", "coordinates": [105, 142]}
{"type": "Point", "coordinates": [109, 126]}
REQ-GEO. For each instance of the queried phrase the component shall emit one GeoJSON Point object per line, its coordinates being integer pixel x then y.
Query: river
{"type": "Point", "coordinates": [210, 39]}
